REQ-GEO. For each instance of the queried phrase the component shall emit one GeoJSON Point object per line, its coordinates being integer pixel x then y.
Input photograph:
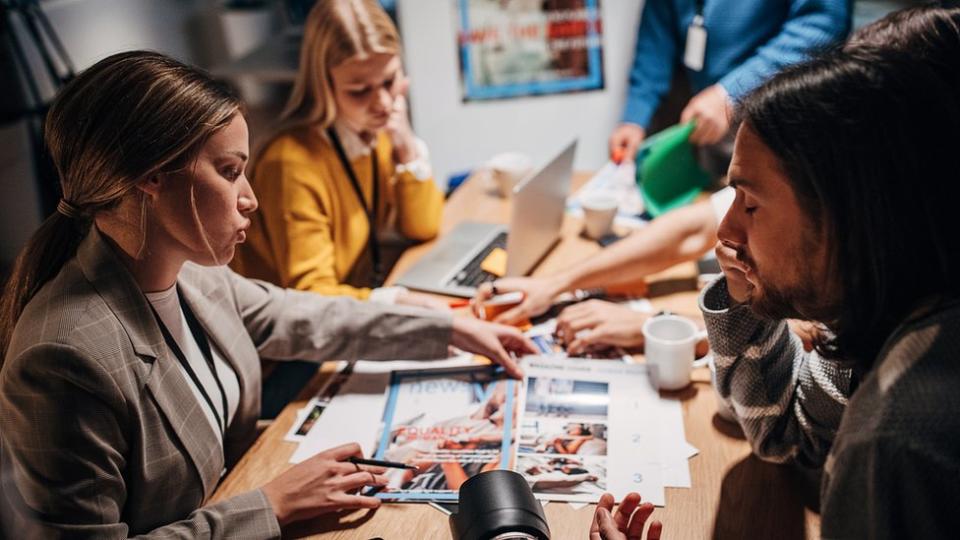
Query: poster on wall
{"type": "Point", "coordinates": [511, 48]}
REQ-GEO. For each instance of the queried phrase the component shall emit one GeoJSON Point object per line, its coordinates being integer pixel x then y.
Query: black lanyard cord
{"type": "Point", "coordinates": [201, 338]}
{"type": "Point", "coordinates": [699, 6]}
{"type": "Point", "coordinates": [373, 244]}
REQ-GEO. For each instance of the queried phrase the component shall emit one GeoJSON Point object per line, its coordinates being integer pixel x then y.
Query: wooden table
{"type": "Point", "coordinates": [734, 495]}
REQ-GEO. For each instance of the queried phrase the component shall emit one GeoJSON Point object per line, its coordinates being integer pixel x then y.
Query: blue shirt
{"type": "Point", "coordinates": [747, 42]}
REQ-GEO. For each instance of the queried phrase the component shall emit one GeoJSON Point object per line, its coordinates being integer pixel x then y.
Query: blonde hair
{"type": "Point", "coordinates": [125, 119]}
{"type": "Point", "coordinates": [335, 31]}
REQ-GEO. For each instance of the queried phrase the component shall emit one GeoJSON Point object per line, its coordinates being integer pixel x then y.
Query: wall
{"type": "Point", "coordinates": [463, 135]}
{"type": "Point", "coordinates": [91, 30]}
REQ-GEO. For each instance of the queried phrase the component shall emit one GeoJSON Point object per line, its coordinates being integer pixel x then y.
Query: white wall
{"type": "Point", "coordinates": [463, 135]}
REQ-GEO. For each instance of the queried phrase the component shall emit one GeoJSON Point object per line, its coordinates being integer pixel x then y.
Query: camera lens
{"type": "Point", "coordinates": [498, 505]}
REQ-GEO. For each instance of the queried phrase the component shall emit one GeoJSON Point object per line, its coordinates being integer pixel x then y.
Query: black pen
{"type": "Point", "coordinates": [378, 463]}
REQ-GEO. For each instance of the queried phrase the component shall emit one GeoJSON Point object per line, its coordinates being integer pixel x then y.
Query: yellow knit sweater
{"type": "Point", "coordinates": [310, 230]}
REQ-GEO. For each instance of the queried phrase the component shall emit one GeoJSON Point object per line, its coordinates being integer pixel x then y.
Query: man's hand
{"type": "Point", "coordinates": [322, 484]}
{"type": "Point", "coordinates": [538, 295]}
{"type": "Point", "coordinates": [627, 523]}
{"type": "Point", "coordinates": [595, 324]}
{"type": "Point", "coordinates": [738, 287]}
{"type": "Point", "coordinates": [712, 110]}
{"type": "Point", "coordinates": [624, 142]}
{"type": "Point", "coordinates": [492, 341]}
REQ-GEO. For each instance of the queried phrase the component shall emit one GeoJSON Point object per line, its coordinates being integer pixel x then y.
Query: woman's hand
{"type": "Point", "coordinates": [322, 484]}
{"type": "Point", "coordinates": [538, 295]}
{"type": "Point", "coordinates": [627, 523]}
{"type": "Point", "coordinates": [492, 341]}
{"type": "Point", "coordinates": [595, 323]}
{"type": "Point", "coordinates": [398, 126]}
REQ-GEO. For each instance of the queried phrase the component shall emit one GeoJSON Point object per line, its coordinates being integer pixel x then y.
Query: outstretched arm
{"type": "Point", "coordinates": [681, 235]}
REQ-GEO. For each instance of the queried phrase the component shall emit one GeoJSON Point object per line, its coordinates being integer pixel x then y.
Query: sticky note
{"type": "Point", "coordinates": [496, 262]}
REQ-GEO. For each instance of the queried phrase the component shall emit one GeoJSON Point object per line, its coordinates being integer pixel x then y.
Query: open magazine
{"type": "Point", "coordinates": [574, 428]}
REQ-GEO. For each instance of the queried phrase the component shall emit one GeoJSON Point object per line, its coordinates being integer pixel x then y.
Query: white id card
{"type": "Point", "coordinates": [696, 48]}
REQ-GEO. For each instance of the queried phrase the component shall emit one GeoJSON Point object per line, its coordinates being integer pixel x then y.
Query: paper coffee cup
{"type": "Point", "coordinates": [599, 209]}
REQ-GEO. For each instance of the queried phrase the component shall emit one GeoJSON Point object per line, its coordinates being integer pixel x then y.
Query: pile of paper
{"type": "Point", "coordinates": [575, 428]}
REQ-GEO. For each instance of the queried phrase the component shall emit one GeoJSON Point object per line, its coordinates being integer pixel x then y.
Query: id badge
{"type": "Point", "coordinates": [696, 49]}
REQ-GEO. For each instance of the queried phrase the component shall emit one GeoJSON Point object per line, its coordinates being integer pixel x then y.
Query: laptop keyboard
{"type": "Point", "coordinates": [472, 275]}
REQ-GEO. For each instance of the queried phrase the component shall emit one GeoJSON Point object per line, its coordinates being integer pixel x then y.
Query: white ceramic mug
{"type": "Point", "coordinates": [670, 343]}
{"type": "Point", "coordinates": [599, 209]}
{"type": "Point", "coordinates": [507, 170]}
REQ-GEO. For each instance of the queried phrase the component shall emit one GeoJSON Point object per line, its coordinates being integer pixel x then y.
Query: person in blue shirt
{"type": "Point", "coordinates": [746, 42]}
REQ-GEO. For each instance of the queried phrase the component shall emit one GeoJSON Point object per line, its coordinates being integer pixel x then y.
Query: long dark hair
{"type": "Point", "coordinates": [123, 120]}
{"type": "Point", "coordinates": [867, 137]}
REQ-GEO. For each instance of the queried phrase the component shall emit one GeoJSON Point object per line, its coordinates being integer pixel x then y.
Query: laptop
{"type": "Point", "coordinates": [452, 267]}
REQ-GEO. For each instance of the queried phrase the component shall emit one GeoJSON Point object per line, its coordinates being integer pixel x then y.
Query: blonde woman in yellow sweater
{"type": "Point", "coordinates": [346, 170]}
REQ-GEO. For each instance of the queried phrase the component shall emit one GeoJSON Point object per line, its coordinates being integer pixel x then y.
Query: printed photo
{"type": "Point", "coordinates": [553, 436]}
{"type": "Point", "coordinates": [567, 398]}
{"type": "Point", "coordinates": [306, 418]}
{"type": "Point", "coordinates": [310, 418]}
{"type": "Point", "coordinates": [564, 475]}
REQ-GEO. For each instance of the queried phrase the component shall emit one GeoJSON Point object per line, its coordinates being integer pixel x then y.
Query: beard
{"type": "Point", "coordinates": [801, 298]}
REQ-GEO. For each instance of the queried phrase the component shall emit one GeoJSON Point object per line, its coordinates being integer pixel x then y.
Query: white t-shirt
{"type": "Point", "coordinates": [167, 305]}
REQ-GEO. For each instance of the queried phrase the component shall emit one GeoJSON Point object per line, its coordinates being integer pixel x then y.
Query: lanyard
{"type": "Point", "coordinates": [699, 6]}
{"type": "Point", "coordinates": [371, 212]}
{"type": "Point", "coordinates": [201, 338]}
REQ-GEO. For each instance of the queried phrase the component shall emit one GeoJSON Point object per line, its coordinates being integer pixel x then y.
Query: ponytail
{"type": "Point", "coordinates": [128, 117]}
{"type": "Point", "coordinates": [50, 247]}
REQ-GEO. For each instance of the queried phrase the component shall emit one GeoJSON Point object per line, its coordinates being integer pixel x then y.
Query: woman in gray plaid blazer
{"type": "Point", "coordinates": [108, 428]}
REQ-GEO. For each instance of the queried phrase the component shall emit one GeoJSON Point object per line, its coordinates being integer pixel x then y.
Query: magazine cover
{"type": "Point", "coordinates": [451, 424]}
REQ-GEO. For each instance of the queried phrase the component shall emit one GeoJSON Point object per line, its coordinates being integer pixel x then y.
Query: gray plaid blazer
{"type": "Point", "coordinates": [101, 435]}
